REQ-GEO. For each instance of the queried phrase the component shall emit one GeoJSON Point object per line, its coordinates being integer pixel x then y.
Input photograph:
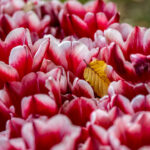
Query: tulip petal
{"type": "Point", "coordinates": [21, 59]}
{"type": "Point", "coordinates": [53, 86]}
{"type": "Point", "coordinates": [80, 27]}
{"type": "Point", "coordinates": [90, 20]}
{"type": "Point", "coordinates": [39, 55]}
{"type": "Point", "coordinates": [14, 126]}
{"type": "Point", "coordinates": [38, 104]}
{"type": "Point", "coordinates": [7, 23]}
{"type": "Point", "coordinates": [100, 118]}
{"type": "Point", "coordinates": [134, 43]}
{"type": "Point", "coordinates": [101, 21]}
{"type": "Point", "coordinates": [113, 35]}
{"type": "Point", "coordinates": [8, 73]}
{"type": "Point", "coordinates": [18, 36]}
{"type": "Point", "coordinates": [81, 107]}
{"type": "Point", "coordinates": [139, 103]}
{"type": "Point", "coordinates": [146, 42]}
{"type": "Point", "coordinates": [123, 103]}
{"type": "Point", "coordinates": [76, 8]}
{"type": "Point", "coordinates": [114, 19]}
{"type": "Point", "coordinates": [110, 9]}
{"type": "Point", "coordinates": [82, 88]}
{"type": "Point", "coordinates": [98, 133]}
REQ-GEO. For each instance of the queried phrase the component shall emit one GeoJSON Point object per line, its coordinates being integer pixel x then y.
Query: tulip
{"type": "Point", "coordinates": [133, 133]}
{"type": "Point", "coordinates": [81, 107]}
{"type": "Point", "coordinates": [19, 55]}
{"type": "Point", "coordinates": [72, 55]}
{"type": "Point", "coordinates": [129, 98]}
{"type": "Point", "coordinates": [128, 54]}
{"type": "Point", "coordinates": [84, 20]}
{"type": "Point", "coordinates": [55, 133]}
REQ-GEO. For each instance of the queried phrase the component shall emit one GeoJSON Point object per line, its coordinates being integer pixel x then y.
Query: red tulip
{"type": "Point", "coordinates": [17, 50]}
{"type": "Point", "coordinates": [98, 135]}
{"type": "Point", "coordinates": [133, 132]}
{"type": "Point", "coordinates": [72, 55]}
{"type": "Point", "coordinates": [38, 104]}
{"type": "Point", "coordinates": [10, 6]}
{"type": "Point", "coordinates": [79, 87]}
{"type": "Point", "coordinates": [32, 83]}
{"type": "Point", "coordinates": [127, 89]}
{"type": "Point", "coordinates": [105, 119]}
{"type": "Point", "coordinates": [21, 15]}
{"type": "Point", "coordinates": [84, 20]}
{"type": "Point", "coordinates": [127, 97]}
{"type": "Point", "coordinates": [129, 55]}
{"type": "Point", "coordinates": [57, 84]}
{"type": "Point", "coordinates": [55, 133]}
{"type": "Point", "coordinates": [81, 107]}
{"type": "Point", "coordinates": [42, 89]}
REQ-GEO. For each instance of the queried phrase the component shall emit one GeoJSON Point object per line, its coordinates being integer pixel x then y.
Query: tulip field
{"type": "Point", "coordinates": [72, 77]}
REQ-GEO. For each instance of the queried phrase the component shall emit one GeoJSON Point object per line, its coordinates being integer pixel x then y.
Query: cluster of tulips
{"type": "Point", "coordinates": [45, 102]}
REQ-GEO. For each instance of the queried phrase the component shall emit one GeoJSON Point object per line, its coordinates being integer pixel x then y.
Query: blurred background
{"type": "Point", "coordinates": [135, 12]}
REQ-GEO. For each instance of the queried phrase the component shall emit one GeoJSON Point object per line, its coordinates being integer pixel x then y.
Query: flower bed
{"type": "Point", "coordinates": [72, 77]}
